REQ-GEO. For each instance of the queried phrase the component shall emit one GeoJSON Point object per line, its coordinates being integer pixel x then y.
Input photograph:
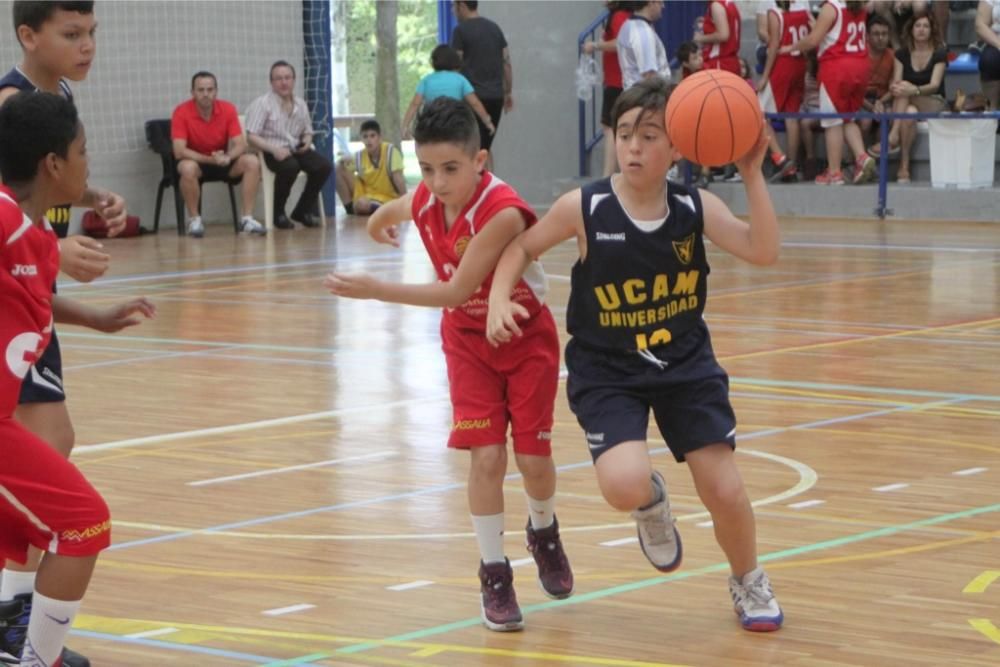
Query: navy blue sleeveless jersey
{"type": "Point", "coordinates": [638, 289]}
{"type": "Point", "coordinates": [58, 216]}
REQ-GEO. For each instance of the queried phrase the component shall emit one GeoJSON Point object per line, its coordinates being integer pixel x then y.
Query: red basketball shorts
{"type": "Point", "coordinates": [786, 87]}
{"type": "Point", "coordinates": [514, 383]}
{"type": "Point", "coordinates": [45, 501]}
{"type": "Point", "coordinates": [728, 63]}
{"type": "Point", "coordinates": [842, 84]}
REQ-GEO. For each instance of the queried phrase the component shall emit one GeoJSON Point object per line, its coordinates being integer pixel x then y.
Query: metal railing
{"type": "Point", "coordinates": [881, 207]}
{"type": "Point", "coordinates": [587, 141]}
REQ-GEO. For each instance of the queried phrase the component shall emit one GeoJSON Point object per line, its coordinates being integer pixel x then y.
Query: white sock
{"type": "Point", "coordinates": [14, 583]}
{"type": "Point", "coordinates": [489, 535]}
{"type": "Point", "coordinates": [194, 218]}
{"type": "Point", "coordinates": [50, 622]}
{"type": "Point", "coordinates": [542, 512]}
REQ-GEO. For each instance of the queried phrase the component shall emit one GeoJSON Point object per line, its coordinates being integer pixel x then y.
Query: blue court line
{"type": "Point", "coordinates": [458, 485]}
{"type": "Point", "coordinates": [236, 269]}
{"type": "Point", "coordinates": [825, 386]}
{"type": "Point", "coordinates": [654, 581]}
{"type": "Point", "coordinates": [169, 646]}
{"type": "Point", "coordinates": [880, 246]}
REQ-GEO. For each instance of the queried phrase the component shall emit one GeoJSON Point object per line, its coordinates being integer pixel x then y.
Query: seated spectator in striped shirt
{"type": "Point", "coordinates": [375, 175]}
{"type": "Point", "coordinates": [278, 126]}
{"type": "Point", "coordinates": [445, 81]}
{"type": "Point", "coordinates": [208, 141]}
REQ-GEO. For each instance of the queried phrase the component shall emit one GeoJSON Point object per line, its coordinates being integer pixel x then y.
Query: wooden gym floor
{"type": "Point", "coordinates": [276, 466]}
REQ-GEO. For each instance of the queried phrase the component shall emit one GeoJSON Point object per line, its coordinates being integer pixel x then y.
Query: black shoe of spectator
{"type": "Point", "coordinates": [282, 222]}
{"type": "Point", "coordinates": [307, 220]}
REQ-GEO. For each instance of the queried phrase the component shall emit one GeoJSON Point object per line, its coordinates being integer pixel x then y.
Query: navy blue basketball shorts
{"type": "Point", "coordinates": [612, 393]}
{"type": "Point", "coordinates": [43, 383]}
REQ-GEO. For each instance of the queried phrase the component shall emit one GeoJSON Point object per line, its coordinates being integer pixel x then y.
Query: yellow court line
{"type": "Point", "coordinates": [851, 341]}
{"type": "Point", "coordinates": [124, 626]}
{"type": "Point", "coordinates": [901, 551]}
{"type": "Point", "coordinates": [904, 438]}
{"type": "Point", "coordinates": [986, 628]}
{"type": "Point", "coordinates": [859, 279]}
{"type": "Point", "coordinates": [980, 583]}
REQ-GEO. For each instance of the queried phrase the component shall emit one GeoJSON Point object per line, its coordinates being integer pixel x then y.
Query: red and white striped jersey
{"type": "Point", "coordinates": [847, 37]}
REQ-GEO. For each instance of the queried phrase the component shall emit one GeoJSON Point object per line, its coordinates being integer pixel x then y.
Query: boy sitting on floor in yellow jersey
{"type": "Point", "coordinates": [375, 176]}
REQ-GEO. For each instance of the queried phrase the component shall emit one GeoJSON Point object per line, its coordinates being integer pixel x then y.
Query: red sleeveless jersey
{"type": "Point", "coordinates": [793, 25]}
{"type": "Point", "coordinates": [29, 262]}
{"type": "Point", "coordinates": [847, 37]}
{"type": "Point", "coordinates": [446, 246]}
{"type": "Point", "coordinates": [730, 47]}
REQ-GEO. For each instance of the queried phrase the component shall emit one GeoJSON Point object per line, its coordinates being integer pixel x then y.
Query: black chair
{"type": "Point", "coordinates": [158, 138]}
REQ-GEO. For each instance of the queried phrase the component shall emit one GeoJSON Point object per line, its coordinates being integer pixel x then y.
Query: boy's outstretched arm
{"type": "Point", "coordinates": [477, 262]}
{"type": "Point", "coordinates": [563, 221]}
{"type": "Point", "coordinates": [758, 241]}
{"type": "Point", "coordinates": [109, 320]}
{"type": "Point", "coordinates": [382, 224]}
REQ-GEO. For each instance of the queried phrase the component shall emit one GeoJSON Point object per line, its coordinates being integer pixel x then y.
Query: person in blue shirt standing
{"type": "Point", "coordinates": [445, 81]}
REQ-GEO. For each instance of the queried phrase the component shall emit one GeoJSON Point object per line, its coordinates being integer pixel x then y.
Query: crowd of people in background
{"type": "Point", "coordinates": [837, 56]}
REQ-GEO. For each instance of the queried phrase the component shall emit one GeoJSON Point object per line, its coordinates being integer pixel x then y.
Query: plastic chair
{"type": "Point", "coordinates": [267, 185]}
{"type": "Point", "coordinates": [158, 138]}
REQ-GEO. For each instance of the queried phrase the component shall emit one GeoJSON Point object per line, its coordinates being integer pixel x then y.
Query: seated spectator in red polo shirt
{"type": "Point", "coordinates": [208, 141]}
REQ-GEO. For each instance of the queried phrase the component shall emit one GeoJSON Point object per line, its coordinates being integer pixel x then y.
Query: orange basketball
{"type": "Point", "coordinates": [713, 117]}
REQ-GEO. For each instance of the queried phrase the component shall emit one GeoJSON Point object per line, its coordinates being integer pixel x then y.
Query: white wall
{"type": "Point", "coordinates": [147, 52]}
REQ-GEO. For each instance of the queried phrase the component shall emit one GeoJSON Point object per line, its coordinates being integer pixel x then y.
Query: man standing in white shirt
{"type": "Point", "coordinates": [641, 53]}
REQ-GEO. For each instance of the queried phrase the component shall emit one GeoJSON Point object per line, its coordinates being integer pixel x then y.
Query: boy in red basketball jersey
{"type": "Point", "coordinates": [639, 341]}
{"type": "Point", "coordinates": [44, 500]}
{"type": "Point", "coordinates": [466, 216]}
{"type": "Point", "coordinates": [782, 83]}
{"type": "Point", "coordinates": [720, 39]}
{"type": "Point", "coordinates": [840, 33]}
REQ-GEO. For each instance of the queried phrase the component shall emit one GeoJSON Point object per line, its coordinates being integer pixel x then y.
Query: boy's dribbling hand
{"type": "Point", "coordinates": [124, 315]}
{"type": "Point", "coordinates": [81, 258]}
{"type": "Point", "coordinates": [501, 325]}
{"type": "Point", "coordinates": [752, 161]}
{"type": "Point", "coordinates": [352, 285]}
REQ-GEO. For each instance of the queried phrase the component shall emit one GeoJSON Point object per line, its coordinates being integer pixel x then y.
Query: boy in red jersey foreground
{"type": "Point", "coordinates": [466, 216]}
{"type": "Point", "coordinates": [44, 500]}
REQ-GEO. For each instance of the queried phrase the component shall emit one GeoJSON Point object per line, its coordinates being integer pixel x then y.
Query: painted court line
{"type": "Point", "coordinates": [521, 561]}
{"type": "Point", "coordinates": [170, 646]}
{"type": "Point", "coordinates": [890, 487]}
{"type": "Point", "coordinates": [970, 471]}
{"type": "Point", "coordinates": [420, 583]}
{"type": "Point", "coordinates": [304, 466]}
{"type": "Point", "coordinates": [806, 503]}
{"type": "Point", "coordinates": [281, 611]}
{"type": "Point", "coordinates": [704, 524]}
{"type": "Point", "coordinates": [581, 598]}
{"type": "Point", "coordinates": [249, 426]}
{"type": "Point", "coordinates": [447, 487]}
{"type": "Point", "coordinates": [152, 633]}
{"type": "Point", "coordinates": [619, 542]}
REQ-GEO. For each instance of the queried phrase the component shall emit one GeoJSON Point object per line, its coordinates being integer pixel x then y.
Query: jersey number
{"type": "Point", "coordinates": [855, 38]}
{"type": "Point", "coordinates": [658, 337]}
{"type": "Point", "coordinates": [798, 34]}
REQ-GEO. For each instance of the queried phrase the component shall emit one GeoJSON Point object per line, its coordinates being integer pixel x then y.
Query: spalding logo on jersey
{"type": "Point", "coordinates": [685, 249]}
{"type": "Point", "coordinates": [22, 352]}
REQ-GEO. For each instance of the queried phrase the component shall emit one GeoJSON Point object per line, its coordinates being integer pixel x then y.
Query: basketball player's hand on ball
{"type": "Point", "coordinates": [123, 315]}
{"type": "Point", "coordinates": [81, 258]}
{"type": "Point", "coordinates": [352, 285]}
{"type": "Point", "coordinates": [754, 158]}
{"type": "Point", "coordinates": [501, 325]}
{"type": "Point", "coordinates": [111, 207]}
